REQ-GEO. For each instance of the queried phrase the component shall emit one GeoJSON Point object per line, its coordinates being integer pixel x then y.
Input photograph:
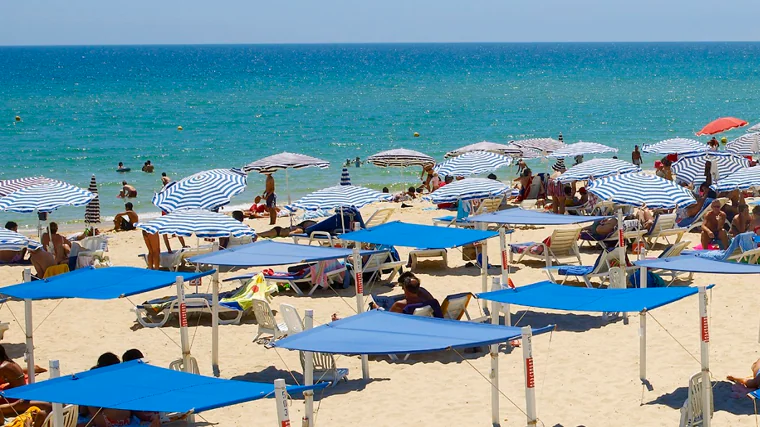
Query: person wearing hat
{"type": "Point", "coordinates": [555, 189]}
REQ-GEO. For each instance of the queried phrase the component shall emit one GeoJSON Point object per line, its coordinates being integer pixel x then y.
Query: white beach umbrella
{"type": "Point", "coordinates": [544, 145]}
{"type": "Point", "coordinates": [400, 157]}
{"type": "Point", "coordinates": [640, 189]}
{"type": "Point", "coordinates": [285, 161]}
{"type": "Point", "coordinates": [491, 147]}
{"type": "Point", "coordinates": [676, 146]}
{"type": "Point", "coordinates": [468, 189]}
{"type": "Point", "coordinates": [754, 128]}
{"type": "Point", "coordinates": [597, 168]}
{"type": "Point", "coordinates": [745, 145]}
{"type": "Point", "coordinates": [472, 163]}
{"type": "Point", "coordinates": [582, 148]}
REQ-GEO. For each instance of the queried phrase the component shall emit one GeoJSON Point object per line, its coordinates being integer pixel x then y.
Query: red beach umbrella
{"type": "Point", "coordinates": [721, 125]}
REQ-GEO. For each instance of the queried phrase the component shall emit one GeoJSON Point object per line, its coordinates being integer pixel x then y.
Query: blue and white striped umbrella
{"type": "Point", "coordinates": [468, 189]}
{"type": "Point", "coordinates": [199, 222]}
{"type": "Point", "coordinates": [12, 241]}
{"type": "Point", "coordinates": [285, 160]}
{"type": "Point", "coordinates": [754, 128]}
{"type": "Point", "coordinates": [640, 189]}
{"type": "Point", "coordinates": [472, 163]}
{"type": "Point", "coordinates": [691, 168]}
{"type": "Point", "coordinates": [345, 178]}
{"type": "Point", "coordinates": [741, 180]}
{"type": "Point", "coordinates": [8, 186]}
{"type": "Point", "coordinates": [45, 195]}
{"type": "Point", "coordinates": [676, 146]}
{"type": "Point", "coordinates": [543, 145]}
{"type": "Point", "coordinates": [400, 157]}
{"type": "Point", "coordinates": [204, 190]}
{"type": "Point", "coordinates": [582, 148]}
{"type": "Point", "coordinates": [339, 196]}
{"type": "Point", "coordinates": [745, 145]}
{"type": "Point", "coordinates": [491, 147]}
{"type": "Point", "coordinates": [597, 168]}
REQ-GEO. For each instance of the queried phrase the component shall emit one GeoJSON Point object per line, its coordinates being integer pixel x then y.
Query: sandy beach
{"type": "Point", "coordinates": [586, 371]}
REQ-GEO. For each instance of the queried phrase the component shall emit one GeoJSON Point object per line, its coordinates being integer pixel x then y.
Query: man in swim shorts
{"type": "Point", "coordinates": [712, 227]}
{"type": "Point", "coordinates": [127, 191]}
{"type": "Point", "coordinates": [126, 220]}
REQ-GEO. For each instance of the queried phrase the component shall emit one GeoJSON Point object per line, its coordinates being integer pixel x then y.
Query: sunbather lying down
{"type": "Point", "coordinates": [278, 231]}
{"type": "Point", "coordinates": [601, 229]}
{"type": "Point", "coordinates": [742, 386]}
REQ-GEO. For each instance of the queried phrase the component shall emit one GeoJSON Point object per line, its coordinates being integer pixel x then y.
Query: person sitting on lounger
{"type": "Point", "coordinates": [61, 245]}
{"type": "Point", "coordinates": [13, 375]}
{"type": "Point", "coordinates": [754, 225]}
{"type": "Point", "coordinates": [413, 293]}
{"type": "Point", "coordinates": [741, 222]}
{"type": "Point", "coordinates": [278, 231]}
{"type": "Point", "coordinates": [40, 259]}
{"type": "Point", "coordinates": [225, 241]}
{"type": "Point", "coordinates": [125, 221]}
{"type": "Point", "coordinates": [712, 227]}
{"type": "Point", "coordinates": [751, 383]}
{"type": "Point", "coordinates": [601, 229]}
{"type": "Point", "coordinates": [645, 217]}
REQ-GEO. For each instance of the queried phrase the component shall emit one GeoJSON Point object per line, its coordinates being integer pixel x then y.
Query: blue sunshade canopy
{"type": "Point", "coordinates": [398, 233]}
{"type": "Point", "coordinates": [97, 283]}
{"type": "Point", "coordinates": [519, 216]}
{"type": "Point", "coordinates": [268, 253]}
{"type": "Point", "coordinates": [381, 332]}
{"type": "Point", "coordinates": [693, 264]}
{"type": "Point", "coordinates": [137, 386]}
{"type": "Point", "coordinates": [558, 297]}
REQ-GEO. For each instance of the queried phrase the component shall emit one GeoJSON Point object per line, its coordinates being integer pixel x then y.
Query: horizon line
{"type": "Point", "coordinates": [381, 43]}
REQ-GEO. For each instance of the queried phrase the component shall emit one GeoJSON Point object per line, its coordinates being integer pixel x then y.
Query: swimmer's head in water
{"type": "Point", "coordinates": [121, 164]}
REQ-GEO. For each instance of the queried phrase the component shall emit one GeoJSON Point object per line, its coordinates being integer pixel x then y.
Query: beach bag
{"type": "Point", "coordinates": [653, 280]}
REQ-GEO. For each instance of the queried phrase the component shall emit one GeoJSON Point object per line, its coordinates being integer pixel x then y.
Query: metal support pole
{"type": "Point", "coordinates": [29, 330]}
{"type": "Point", "coordinates": [281, 400]}
{"type": "Point", "coordinates": [308, 374]}
{"type": "Point", "coordinates": [705, 358]}
{"type": "Point", "coordinates": [643, 346]}
{"type": "Point", "coordinates": [504, 248]}
{"type": "Point", "coordinates": [183, 334]}
{"type": "Point", "coordinates": [215, 323]}
{"type": "Point", "coordinates": [359, 281]}
{"type": "Point", "coordinates": [55, 372]}
{"type": "Point", "coordinates": [494, 376]}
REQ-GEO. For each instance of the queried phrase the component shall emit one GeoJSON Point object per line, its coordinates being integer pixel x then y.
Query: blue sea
{"type": "Point", "coordinates": [84, 109]}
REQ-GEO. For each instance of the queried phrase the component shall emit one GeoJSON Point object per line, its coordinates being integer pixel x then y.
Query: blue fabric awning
{"type": "Point", "coordinates": [97, 283]}
{"type": "Point", "coordinates": [269, 253]}
{"type": "Point", "coordinates": [137, 386]}
{"type": "Point", "coordinates": [558, 297]}
{"type": "Point", "coordinates": [693, 264]}
{"type": "Point", "coordinates": [381, 332]}
{"type": "Point", "coordinates": [519, 216]}
{"type": "Point", "coordinates": [417, 236]}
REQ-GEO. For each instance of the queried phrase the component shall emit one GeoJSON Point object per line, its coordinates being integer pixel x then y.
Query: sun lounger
{"type": "Point", "coordinates": [415, 254]}
{"type": "Point", "coordinates": [486, 206]}
{"type": "Point", "coordinates": [377, 264]}
{"type": "Point", "coordinates": [381, 216]}
{"type": "Point", "coordinates": [292, 318]}
{"type": "Point", "coordinates": [175, 260]}
{"type": "Point", "coordinates": [601, 269]}
{"type": "Point", "coordinates": [664, 226]}
{"type": "Point", "coordinates": [563, 243]}
{"type": "Point", "coordinates": [455, 306]}
{"type": "Point", "coordinates": [304, 275]}
{"type": "Point", "coordinates": [742, 249]}
{"type": "Point", "coordinates": [267, 322]}
{"type": "Point", "coordinates": [327, 231]}
{"type": "Point", "coordinates": [238, 302]}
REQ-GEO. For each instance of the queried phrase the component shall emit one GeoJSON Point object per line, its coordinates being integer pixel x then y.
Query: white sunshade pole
{"type": "Point", "coordinates": [705, 356]}
{"type": "Point", "coordinates": [359, 281]}
{"type": "Point", "coordinates": [29, 330]}
{"type": "Point", "coordinates": [483, 260]}
{"type": "Point", "coordinates": [281, 400]}
{"type": "Point", "coordinates": [530, 379]}
{"type": "Point", "coordinates": [215, 322]}
{"type": "Point", "coordinates": [183, 334]}
{"type": "Point", "coordinates": [55, 372]}
{"type": "Point", "coordinates": [643, 330]}
{"type": "Point", "coordinates": [504, 273]}
{"type": "Point", "coordinates": [308, 373]}
{"type": "Point", "coordinates": [495, 360]}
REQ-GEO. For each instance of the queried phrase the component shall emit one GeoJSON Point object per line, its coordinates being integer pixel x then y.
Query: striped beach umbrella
{"type": "Point", "coordinates": [676, 146]}
{"type": "Point", "coordinates": [544, 145]}
{"type": "Point", "coordinates": [745, 145]}
{"type": "Point", "coordinates": [640, 189]}
{"type": "Point", "coordinates": [472, 163]}
{"type": "Point", "coordinates": [199, 222]}
{"type": "Point", "coordinates": [8, 186]}
{"type": "Point", "coordinates": [339, 196]}
{"type": "Point", "coordinates": [754, 128]}
{"type": "Point", "coordinates": [12, 241]}
{"type": "Point", "coordinates": [400, 157]}
{"type": "Point", "coordinates": [92, 210]}
{"type": "Point", "coordinates": [204, 190]}
{"type": "Point", "coordinates": [345, 178]}
{"type": "Point", "coordinates": [597, 168]}
{"type": "Point", "coordinates": [491, 147]}
{"type": "Point", "coordinates": [468, 189]}
{"type": "Point", "coordinates": [44, 195]}
{"type": "Point", "coordinates": [741, 180]}
{"type": "Point", "coordinates": [285, 160]}
{"type": "Point", "coordinates": [582, 148]}
{"type": "Point", "coordinates": [691, 168]}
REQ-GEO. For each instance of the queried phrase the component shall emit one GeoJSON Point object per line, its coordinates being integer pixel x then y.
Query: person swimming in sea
{"type": "Point", "coordinates": [121, 168]}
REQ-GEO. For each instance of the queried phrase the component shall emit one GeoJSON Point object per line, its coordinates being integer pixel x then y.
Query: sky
{"type": "Point", "coordinates": [99, 22]}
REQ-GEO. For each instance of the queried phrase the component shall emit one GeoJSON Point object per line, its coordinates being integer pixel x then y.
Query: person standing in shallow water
{"type": "Point", "coordinates": [636, 156]}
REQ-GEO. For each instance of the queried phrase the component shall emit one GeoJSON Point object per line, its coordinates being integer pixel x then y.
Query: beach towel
{"type": "Point", "coordinates": [653, 280]}
{"type": "Point", "coordinates": [743, 241]}
{"type": "Point", "coordinates": [26, 419]}
{"type": "Point", "coordinates": [319, 272]}
{"type": "Point", "coordinates": [437, 312]}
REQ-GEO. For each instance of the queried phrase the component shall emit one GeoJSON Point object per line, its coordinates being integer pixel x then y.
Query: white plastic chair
{"type": "Point", "coordinates": [692, 412]}
{"type": "Point", "coordinates": [292, 318]}
{"type": "Point", "coordinates": [324, 368]}
{"type": "Point", "coordinates": [664, 226]}
{"type": "Point", "coordinates": [267, 323]}
{"type": "Point", "coordinates": [563, 243]}
{"type": "Point", "coordinates": [177, 365]}
{"type": "Point", "coordinates": [70, 416]}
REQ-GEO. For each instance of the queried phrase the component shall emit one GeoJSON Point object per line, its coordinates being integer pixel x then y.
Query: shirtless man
{"type": "Point", "coordinates": [413, 293]}
{"type": "Point", "coordinates": [127, 191]}
{"type": "Point", "coordinates": [752, 383]}
{"type": "Point", "coordinates": [754, 225]}
{"type": "Point", "coordinates": [636, 156]}
{"type": "Point", "coordinates": [741, 222]}
{"type": "Point", "coordinates": [165, 179]}
{"type": "Point", "coordinates": [148, 167]}
{"type": "Point", "coordinates": [61, 245]}
{"type": "Point", "coordinates": [271, 198]}
{"type": "Point", "coordinates": [126, 220]}
{"type": "Point", "coordinates": [712, 227]}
